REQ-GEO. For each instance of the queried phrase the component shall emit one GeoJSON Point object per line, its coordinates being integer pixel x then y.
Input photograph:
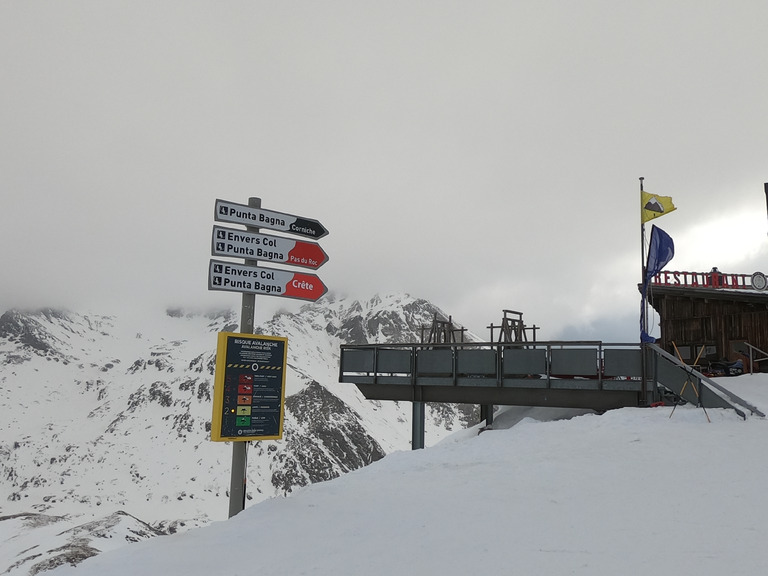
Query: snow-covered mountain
{"type": "Point", "coordinates": [106, 420]}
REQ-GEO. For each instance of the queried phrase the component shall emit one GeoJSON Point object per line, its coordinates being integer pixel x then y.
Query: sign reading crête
{"type": "Point", "coordinates": [268, 281]}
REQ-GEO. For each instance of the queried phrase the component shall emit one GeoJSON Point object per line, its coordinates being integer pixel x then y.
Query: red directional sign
{"type": "Point", "coordinates": [258, 280]}
{"type": "Point", "coordinates": [240, 244]}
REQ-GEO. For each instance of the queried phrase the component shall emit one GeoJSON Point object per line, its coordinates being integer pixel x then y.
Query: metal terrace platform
{"type": "Point", "coordinates": [564, 374]}
{"type": "Point", "coordinates": [591, 375]}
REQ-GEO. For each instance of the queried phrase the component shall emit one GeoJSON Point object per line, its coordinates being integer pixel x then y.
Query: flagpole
{"type": "Point", "coordinates": [642, 229]}
{"type": "Point", "coordinates": [643, 355]}
{"type": "Point", "coordinates": [642, 258]}
{"type": "Point", "coordinates": [765, 185]}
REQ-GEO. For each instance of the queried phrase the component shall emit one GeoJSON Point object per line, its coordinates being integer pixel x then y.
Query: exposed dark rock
{"type": "Point", "coordinates": [331, 440]}
{"type": "Point", "coordinates": [352, 331]}
{"type": "Point", "coordinates": [28, 331]}
{"type": "Point", "coordinates": [161, 393]}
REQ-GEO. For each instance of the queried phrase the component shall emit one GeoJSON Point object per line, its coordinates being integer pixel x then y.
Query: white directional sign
{"type": "Point", "coordinates": [258, 280]}
{"type": "Point", "coordinates": [242, 214]}
{"type": "Point", "coordinates": [279, 249]}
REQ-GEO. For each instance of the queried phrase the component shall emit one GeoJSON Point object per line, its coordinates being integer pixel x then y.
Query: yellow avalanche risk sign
{"type": "Point", "coordinates": [249, 387]}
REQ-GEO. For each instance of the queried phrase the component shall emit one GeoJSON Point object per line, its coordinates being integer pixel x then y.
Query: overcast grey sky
{"type": "Point", "coordinates": [484, 155]}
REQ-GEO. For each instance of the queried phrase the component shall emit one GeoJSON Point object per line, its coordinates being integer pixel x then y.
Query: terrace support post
{"type": "Point", "coordinates": [643, 374]}
{"type": "Point", "coordinates": [486, 413]}
{"type": "Point", "coordinates": [417, 426]}
{"type": "Point", "coordinates": [650, 374]}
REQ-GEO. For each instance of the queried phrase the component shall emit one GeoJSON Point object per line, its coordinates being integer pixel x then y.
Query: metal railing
{"type": "Point", "coordinates": [674, 374]}
{"type": "Point", "coordinates": [546, 364]}
{"type": "Point", "coordinates": [752, 353]}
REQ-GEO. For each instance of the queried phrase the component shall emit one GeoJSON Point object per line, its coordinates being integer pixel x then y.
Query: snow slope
{"type": "Point", "coordinates": [104, 421]}
{"type": "Point", "coordinates": [633, 491]}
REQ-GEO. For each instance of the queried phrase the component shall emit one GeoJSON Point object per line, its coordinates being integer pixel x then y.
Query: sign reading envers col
{"type": "Point", "coordinates": [269, 281]}
{"type": "Point", "coordinates": [240, 244]}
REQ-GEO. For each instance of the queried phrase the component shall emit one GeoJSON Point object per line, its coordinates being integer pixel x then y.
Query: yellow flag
{"type": "Point", "coordinates": [654, 206]}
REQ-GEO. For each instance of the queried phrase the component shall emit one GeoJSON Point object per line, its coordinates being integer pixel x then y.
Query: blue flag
{"type": "Point", "coordinates": [660, 252]}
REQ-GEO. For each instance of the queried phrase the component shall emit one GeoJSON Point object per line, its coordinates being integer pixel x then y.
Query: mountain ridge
{"type": "Point", "coordinates": [107, 416]}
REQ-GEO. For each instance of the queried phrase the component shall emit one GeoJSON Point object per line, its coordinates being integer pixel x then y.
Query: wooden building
{"type": "Point", "coordinates": [711, 309]}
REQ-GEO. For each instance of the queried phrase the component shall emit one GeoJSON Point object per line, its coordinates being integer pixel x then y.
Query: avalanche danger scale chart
{"type": "Point", "coordinates": [249, 392]}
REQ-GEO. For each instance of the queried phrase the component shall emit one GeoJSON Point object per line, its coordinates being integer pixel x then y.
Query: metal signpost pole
{"type": "Point", "coordinates": [240, 449]}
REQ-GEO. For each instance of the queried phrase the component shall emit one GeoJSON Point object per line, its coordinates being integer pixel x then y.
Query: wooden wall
{"type": "Point", "coordinates": [691, 320]}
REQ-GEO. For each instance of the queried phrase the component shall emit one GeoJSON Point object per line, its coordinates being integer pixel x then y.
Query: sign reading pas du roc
{"type": "Point", "coordinates": [240, 244]}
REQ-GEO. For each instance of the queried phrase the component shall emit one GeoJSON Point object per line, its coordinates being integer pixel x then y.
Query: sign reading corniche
{"type": "Point", "coordinates": [259, 280]}
{"type": "Point", "coordinates": [242, 214]}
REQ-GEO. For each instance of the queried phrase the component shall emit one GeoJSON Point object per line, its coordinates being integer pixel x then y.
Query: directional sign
{"type": "Point", "coordinates": [258, 280]}
{"type": "Point", "coordinates": [242, 214]}
{"type": "Point", "coordinates": [249, 387]}
{"type": "Point", "coordinates": [240, 244]}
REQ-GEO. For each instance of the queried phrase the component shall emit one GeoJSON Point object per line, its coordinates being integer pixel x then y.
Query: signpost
{"type": "Point", "coordinates": [249, 384]}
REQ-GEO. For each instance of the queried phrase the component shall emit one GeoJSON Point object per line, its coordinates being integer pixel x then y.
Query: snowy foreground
{"type": "Point", "coordinates": [630, 492]}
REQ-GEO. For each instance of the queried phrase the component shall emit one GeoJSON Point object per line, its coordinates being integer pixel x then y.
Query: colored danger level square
{"type": "Point", "coordinates": [244, 400]}
{"type": "Point", "coordinates": [243, 421]}
{"type": "Point", "coordinates": [243, 410]}
{"type": "Point", "coordinates": [245, 389]}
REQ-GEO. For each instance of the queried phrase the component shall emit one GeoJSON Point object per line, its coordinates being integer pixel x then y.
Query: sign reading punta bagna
{"type": "Point", "coordinates": [248, 216]}
{"type": "Point", "coordinates": [266, 281]}
{"type": "Point", "coordinates": [240, 244]}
